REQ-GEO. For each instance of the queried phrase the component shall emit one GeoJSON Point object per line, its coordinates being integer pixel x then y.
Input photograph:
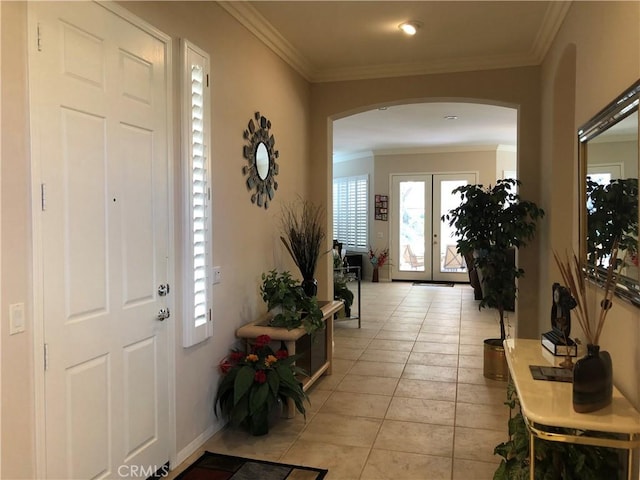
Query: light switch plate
{"type": "Point", "coordinates": [217, 275]}
{"type": "Point", "coordinates": [16, 318]}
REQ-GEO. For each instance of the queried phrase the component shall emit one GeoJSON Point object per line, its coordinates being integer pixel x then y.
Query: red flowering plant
{"type": "Point", "coordinates": [252, 383]}
{"type": "Point", "coordinates": [378, 259]}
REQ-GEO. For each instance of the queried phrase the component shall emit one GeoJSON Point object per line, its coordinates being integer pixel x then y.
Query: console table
{"type": "Point", "coordinates": [547, 405]}
{"type": "Point", "coordinates": [289, 337]}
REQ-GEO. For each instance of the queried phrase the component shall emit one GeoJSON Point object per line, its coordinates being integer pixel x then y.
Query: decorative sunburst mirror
{"type": "Point", "coordinates": [261, 156]}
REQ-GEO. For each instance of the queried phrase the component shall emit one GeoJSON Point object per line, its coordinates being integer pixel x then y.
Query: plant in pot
{"type": "Point", "coordinates": [340, 289]}
{"type": "Point", "coordinates": [255, 384]}
{"type": "Point", "coordinates": [294, 308]}
{"type": "Point", "coordinates": [490, 224]}
{"type": "Point", "coordinates": [303, 235]}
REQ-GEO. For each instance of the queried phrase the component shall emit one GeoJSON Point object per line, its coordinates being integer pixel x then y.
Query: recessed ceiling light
{"type": "Point", "coordinates": [382, 108]}
{"type": "Point", "coordinates": [450, 117]}
{"type": "Point", "coordinates": [410, 27]}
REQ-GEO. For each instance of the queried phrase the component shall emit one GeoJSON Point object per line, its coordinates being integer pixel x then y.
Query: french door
{"type": "Point", "coordinates": [424, 247]}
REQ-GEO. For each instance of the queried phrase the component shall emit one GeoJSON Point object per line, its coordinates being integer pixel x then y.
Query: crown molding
{"type": "Point", "coordinates": [438, 149]}
{"type": "Point", "coordinates": [553, 19]}
{"type": "Point", "coordinates": [253, 21]}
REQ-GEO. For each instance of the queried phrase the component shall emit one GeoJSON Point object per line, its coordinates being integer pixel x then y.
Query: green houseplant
{"type": "Point", "coordinates": [340, 289]}
{"type": "Point", "coordinates": [490, 223]}
{"type": "Point", "coordinates": [297, 309]}
{"type": "Point", "coordinates": [253, 385]}
{"type": "Point", "coordinates": [302, 226]}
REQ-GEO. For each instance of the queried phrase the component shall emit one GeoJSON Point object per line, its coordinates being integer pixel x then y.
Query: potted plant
{"type": "Point", "coordinates": [296, 309]}
{"type": "Point", "coordinates": [340, 289]}
{"type": "Point", "coordinates": [255, 383]}
{"type": "Point", "coordinates": [377, 260]}
{"type": "Point", "coordinates": [490, 224]}
{"type": "Point", "coordinates": [303, 235]}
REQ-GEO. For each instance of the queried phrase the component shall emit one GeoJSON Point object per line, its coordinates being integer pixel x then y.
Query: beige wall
{"type": "Point", "coordinates": [595, 56]}
{"type": "Point", "coordinates": [517, 88]}
{"type": "Point", "coordinates": [246, 77]}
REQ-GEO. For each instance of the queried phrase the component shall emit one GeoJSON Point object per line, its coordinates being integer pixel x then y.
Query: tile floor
{"type": "Point", "coordinates": [406, 400]}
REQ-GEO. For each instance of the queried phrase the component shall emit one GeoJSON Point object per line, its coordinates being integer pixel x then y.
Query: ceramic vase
{"type": "Point", "coordinates": [375, 274]}
{"type": "Point", "coordinates": [592, 381]}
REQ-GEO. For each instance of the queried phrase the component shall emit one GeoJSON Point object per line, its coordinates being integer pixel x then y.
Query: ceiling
{"type": "Point", "coordinates": [346, 40]}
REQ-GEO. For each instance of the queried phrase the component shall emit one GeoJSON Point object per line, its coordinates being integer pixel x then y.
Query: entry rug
{"type": "Point", "coordinates": [215, 466]}
{"type": "Point", "coordinates": [433, 284]}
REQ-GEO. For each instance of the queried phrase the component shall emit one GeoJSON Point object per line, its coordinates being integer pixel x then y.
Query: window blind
{"type": "Point", "coordinates": [350, 211]}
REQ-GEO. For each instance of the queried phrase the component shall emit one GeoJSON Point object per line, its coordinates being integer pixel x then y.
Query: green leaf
{"type": "Point", "coordinates": [274, 381]}
{"type": "Point", "coordinates": [242, 383]}
{"type": "Point", "coordinates": [258, 398]}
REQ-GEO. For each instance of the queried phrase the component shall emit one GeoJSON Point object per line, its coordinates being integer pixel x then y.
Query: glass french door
{"type": "Point", "coordinates": [422, 246]}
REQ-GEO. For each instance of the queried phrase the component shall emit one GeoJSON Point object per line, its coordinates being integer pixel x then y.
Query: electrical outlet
{"type": "Point", "coordinates": [217, 275]}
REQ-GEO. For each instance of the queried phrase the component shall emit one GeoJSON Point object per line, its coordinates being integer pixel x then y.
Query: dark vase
{"type": "Point", "coordinates": [310, 287]}
{"type": "Point", "coordinates": [592, 381]}
{"type": "Point", "coordinates": [258, 423]}
{"type": "Point", "coordinates": [374, 278]}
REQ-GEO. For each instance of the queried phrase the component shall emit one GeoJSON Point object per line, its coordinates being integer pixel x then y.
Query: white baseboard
{"type": "Point", "coordinates": [187, 451]}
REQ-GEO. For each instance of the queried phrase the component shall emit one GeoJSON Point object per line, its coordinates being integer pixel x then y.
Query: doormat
{"type": "Point", "coordinates": [215, 466]}
{"type": "Point", "coordinates": [434, 284]}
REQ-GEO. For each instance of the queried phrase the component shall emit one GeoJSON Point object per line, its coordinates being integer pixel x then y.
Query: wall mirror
{"type": "Point", "coordinates": [608, 154]}
{"type": "Point", "coordinates": [261, 155]}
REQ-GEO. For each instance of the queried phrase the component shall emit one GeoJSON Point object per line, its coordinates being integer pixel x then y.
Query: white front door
{"type": "Point", "coordinates": [99, 109]}
{"type": "Point", "coordinates": [424, 245]}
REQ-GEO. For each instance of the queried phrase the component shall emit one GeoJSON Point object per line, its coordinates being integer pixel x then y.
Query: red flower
{"type": "Point", "coordinates": [236, 356]}
{"type": "Point", "coordinates": [260, 376]}
{"type": "Point", "coordinates": [225, 366]}
{"type": "Point", "coordinates": [282, 354]}
{"type": "Point", "coordinates": [262, 341]}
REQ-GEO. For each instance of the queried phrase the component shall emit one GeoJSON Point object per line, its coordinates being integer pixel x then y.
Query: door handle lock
{"type": "Point", "coordinates": [163, 289]}
{"type": "Point", "coordinates": [163, 314]}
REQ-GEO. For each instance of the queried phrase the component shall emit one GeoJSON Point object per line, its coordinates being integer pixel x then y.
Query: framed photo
{"type": "Point", "coordinates": [381, 207]}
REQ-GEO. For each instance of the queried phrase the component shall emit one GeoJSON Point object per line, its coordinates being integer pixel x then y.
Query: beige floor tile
{"type": "Point", "coordinates": [342, 430]}
{"type": "Point", "coordinates": [413, 437]}
{"type": "Point", "coordinates": [368, 384]}
{"type": "Point", "coordinates": [317, 398]}
{"type": "Point", "coordinates": [438, 338]}
{"type": "Point", "coordinates": [481, 394]}
{"type": "Point", "coordinates": [469, 361]}
{"type": "Point", "coordinates": [349, 342]}
{"type": "Point", "coordinates": [363, 333]}
{"type": "Point", "coordinates": [423, 358]}
{"type": "Point", "coordinates": [433, 347]}
{"type": "Point", "coordinates": [389, 465]}
{"type": "Point", "coordinates": [398, 345]}
{"type": "Point", "coordinates": [400, 319]}
{"type": "Point", "coordinates": [340, 365]}
{"type": "Point", "coordinates": [394, 335]}
{"type": "Point", "coordinates": [489, 417]}
{"type": "Point", "coordinates": [475, 350]}
{"type": "Point", "coordinates": [430, 372]}
{"type": "Point", "coordinates": [377, 369]}
{"type": "Point", "coordinates": [391, 356]}
{"type": "Point", "coordinates": [347, 353]}
{"type": "Point", "coordinates": [476, 376]}
{"type": "Point", "coordinates": [401, 327]}
{"type": "Point", "coordinates": [356, 404]}
{"type": "Point", "coordinates": [477, 444]}
{"type": "Point", "coordinates": [436, 412]}
{"type": "Point", "coordinates": [470, 469]}
{"type": "Point", "coordinates": [343, 462]}
{"type": "Point", "coordinates": [440, 330]}
{"type": "Point", "coordinates": [328, 382]}
{"type": "Point", "coordinates": [472, 339]}
{"type": "Point", "coordinates": [426, 389]}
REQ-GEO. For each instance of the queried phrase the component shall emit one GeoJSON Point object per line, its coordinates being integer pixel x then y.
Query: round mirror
{"type": "Point", "coordinates": [262, 160]}
{"type": "Point", "coordinates": [261, 156]}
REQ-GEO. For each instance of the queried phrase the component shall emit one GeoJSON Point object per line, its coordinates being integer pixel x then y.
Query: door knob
{"type": "Point", "coordinates": [163, 314]}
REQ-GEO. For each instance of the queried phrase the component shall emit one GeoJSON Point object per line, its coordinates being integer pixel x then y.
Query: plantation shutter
{"type": "Point", "coordinates": [350, 212]}
{"type": "Point", "coordinates": [197, 323]}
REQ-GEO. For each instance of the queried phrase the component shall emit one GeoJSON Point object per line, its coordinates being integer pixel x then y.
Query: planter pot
{"type": "Point", "coordinates": [495, 362]}
{"type": "Point", "coordinates": [310, 287]}
{"type": "Point", "coordinates": [376, 274]}
{"type": "Point", "coordinates": [592, 381]}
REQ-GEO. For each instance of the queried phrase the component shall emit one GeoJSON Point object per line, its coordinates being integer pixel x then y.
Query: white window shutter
{"type": "Point", "coordinates": [350, 212]}
{"type": "Point", "coordinates": [197, 323]}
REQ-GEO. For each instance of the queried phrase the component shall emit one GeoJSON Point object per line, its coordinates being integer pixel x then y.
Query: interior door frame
{"type": "Point", "coordinates": [36, 246]}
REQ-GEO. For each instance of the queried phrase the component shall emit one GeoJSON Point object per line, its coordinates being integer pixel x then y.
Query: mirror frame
{"type": "Point", "coordinates": [619, 109]}
{"type": "Point", "coordinates": [262, 188]}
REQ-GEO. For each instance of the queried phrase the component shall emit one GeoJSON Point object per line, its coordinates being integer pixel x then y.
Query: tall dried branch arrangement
{"type": "Point", "coordinates": [303, 234]}
{"type": "Point", "coordinates": [574, 278]}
